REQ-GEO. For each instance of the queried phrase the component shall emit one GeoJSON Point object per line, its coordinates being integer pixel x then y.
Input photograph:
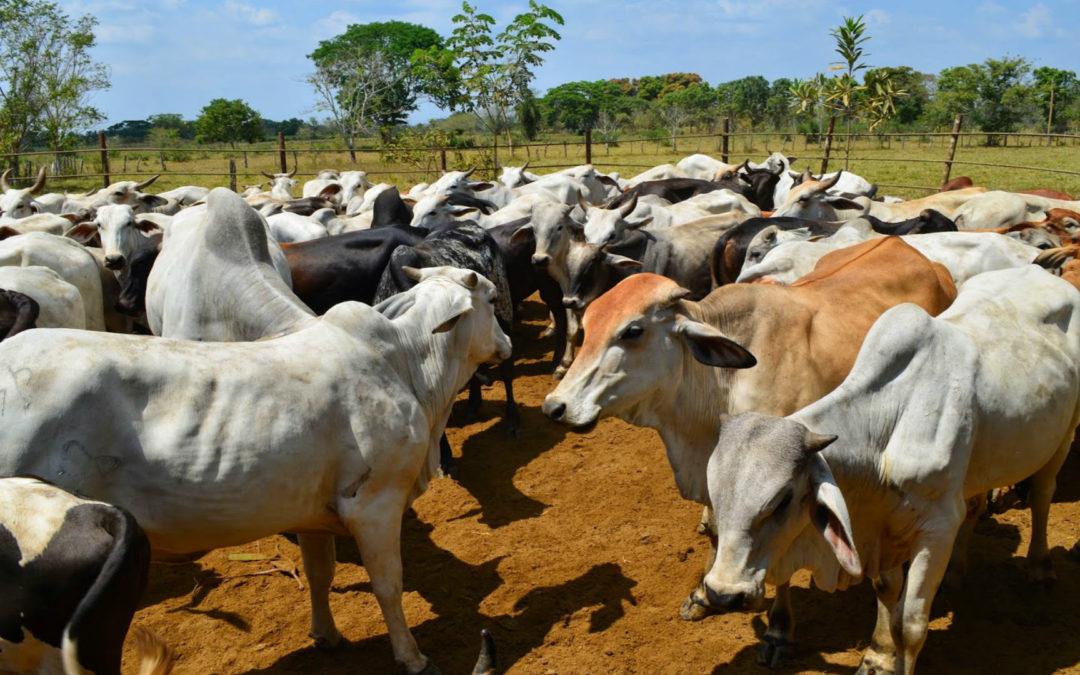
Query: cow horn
{"type": "Point", "coordinates": [828, 184]}
{"type": "Point", "coordinates": [39, 182]}
{"type": "Point", "coordinates": [581, 202]}
{"type": "Point", "coordinates": [270, 176]}
{"type": "Point", "coordinates": [525, 165]}
{"type": "Point", "coordinates": [485, 662]}
{"type": "Point", "coordinates": [817, 442]}
{"type": "Point", "coordinates": [470, 281]}
{"type": "Point", "coordinates": [91, 191]}
{"type": "Point", "coordinates": [412, 273]}
{"type": "Point", "coordinates": [628, 208]}
{"type": "Point", "coordinates": [469, 172]}
{"type": "Point", "coordinates": [745, 166]}
{"type": "Point", "coordinates": [292, 173]}
{"type": "Point", "coordinates": [146, 183]}
{"type": "Point", "coordinates": [3, 180]}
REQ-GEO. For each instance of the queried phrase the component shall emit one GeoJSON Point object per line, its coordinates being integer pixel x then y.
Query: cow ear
{"type": "Point", "coordinates": [396, 305]}
{"type": "Point", "coordinates": [641, 223]}
{"type": "Point", "coordinates": [842, 202]}
{"type": "Point", "coordinates": [454, 312]}
{"type": "Point", "coordinates": [147, 226]}
{"type": "Point", "coordinates": [829, 514]}
{"type": "Point", "coordinates": [6, 232]}
{"type": "Point", "coordinates": [711, 347]}
{"type": "Point", "coordinates": [521, 233]}
{"type": "Point", "coordinates": [82, 233]}
{"type": "Point", "coordinates": [480, 187]}
{"type": "Point", "coordinates": [620, 261]}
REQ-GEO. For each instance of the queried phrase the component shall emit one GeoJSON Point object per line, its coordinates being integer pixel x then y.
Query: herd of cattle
{"type": "Point", "coordinates": [839, 378]}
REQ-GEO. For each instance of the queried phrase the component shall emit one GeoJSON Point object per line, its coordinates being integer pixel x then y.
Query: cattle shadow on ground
{"type": "Point", "coordinates": [452, 639]}
{"type": "Point", "coordinates": [175, 580]}
{"type": "Point", "coordinates": [489, 460]}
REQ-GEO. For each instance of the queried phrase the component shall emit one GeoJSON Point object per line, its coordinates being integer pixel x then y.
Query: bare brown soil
{"type": "Point", "coordinates": [576, 551]}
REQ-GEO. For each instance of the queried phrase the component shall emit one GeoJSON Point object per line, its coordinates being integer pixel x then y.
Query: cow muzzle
{"type": "Point", "coordinates": [540, 260]}
{"type": "Point", "coordinates": [573, 302]}
{"type": "Point", "coordinates": [115, 262]}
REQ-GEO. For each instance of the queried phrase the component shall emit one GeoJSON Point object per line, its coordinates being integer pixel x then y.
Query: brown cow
{"type": "Point", "coordinates": [958, 183]}
{"type": "Point", "coordinates": [649, 356]}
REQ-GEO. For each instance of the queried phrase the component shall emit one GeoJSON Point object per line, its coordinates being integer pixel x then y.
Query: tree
{"type": "Point", "coordinates": [365, 79]}
{"type": "Point", "coordinates": [994, 93]}
{"type": "Point", "coordinates": [489, 74]}
{"type": "Point", "coordinates": [777, 110]}
{"type": "Point", "coordinates": [750, 99]}
{"type": "Point", "coordinates": [46, 74]}
{"type": "Point", "coordinates": [228, 121]}
{"type": "Point", "coordinates": [528, 114]}
{"type": "Point", "coordinates": [911, 107]}
{"type": "Point", "coordinates": [175, 123]}
{"type": "Point", "coordinates": [1055, 91]}
{"type": "Point", "coordinates": [576, 106]}
{"type": "Point", "coordinates": [683, 105]}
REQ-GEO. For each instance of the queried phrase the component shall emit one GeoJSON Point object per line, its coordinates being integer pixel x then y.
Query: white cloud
{"type": "Point", "coordinates": [876, 17]}
{"type": "Point", "coordinates": [253, 15]}
{"type": "Point", "coordinates": [139, 34]}
{"type": "Point", "coordinates": [1035, 21]}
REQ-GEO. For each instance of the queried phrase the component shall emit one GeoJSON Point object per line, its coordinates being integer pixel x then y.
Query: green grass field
{"type": "Point", "coordinates": [195, 165]}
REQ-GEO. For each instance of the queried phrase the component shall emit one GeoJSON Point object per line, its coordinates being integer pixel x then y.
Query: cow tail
{"type": "Point", "coordinates": [155, 657]}
{"type": "Point", "coordinates": [102, 617]}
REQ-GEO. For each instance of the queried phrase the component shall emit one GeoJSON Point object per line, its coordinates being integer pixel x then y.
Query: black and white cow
{"type": "Point", "coordinates": [71, 575]}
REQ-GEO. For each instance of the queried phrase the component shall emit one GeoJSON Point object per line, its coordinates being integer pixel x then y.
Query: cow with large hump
{"type": "Point", "coordinates": [127, 192]}
{"type": "Point", "coordinates": [871, 480]}
{"type": "Point", "coordinates": [217, 444]}
{"type": "Point", "coordinates": [72, 572]}
{"type": "Point", "coordinates": [221, 277]}
{"type": "Point", "coordinates": [655, 359]}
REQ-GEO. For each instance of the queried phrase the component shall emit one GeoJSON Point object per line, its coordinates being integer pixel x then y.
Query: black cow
{"type": "Point", "coordinates": [71, 575]}
{"type": "Point", "coordinates": [18, 312]}
{"type": "Point", "coordinates": [928, 220]}
{"type": "Point", "coordinates": [730, 250]}
{"type": "Point", "coordinates": [677, 190]}
{"type": "Point", "coordinates": [132, 300]}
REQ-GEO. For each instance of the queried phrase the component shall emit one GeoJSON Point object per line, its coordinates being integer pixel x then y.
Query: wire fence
{"type": "Point", "coordinates": [74, 168]}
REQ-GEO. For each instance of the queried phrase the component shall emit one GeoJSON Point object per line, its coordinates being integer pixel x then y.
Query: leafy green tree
{"type": "Point", "coordinates": [1056, 90]}
{"type": "Point", "coordinates": [995, 94]}
{"type": "Point", "coordinates": [528, 114]}
{"type": "Point", "coordinates": [46, 74]}
{"type": "Point", "coordinates": [911, 107]}
{"type": "Point", "coordinates": [576, 106]}
{"type": "Point", "coordinates": [364, 77]}
{"type": "Point", "coordinates": [750, 99]}
{"type": "Point", "coordinates": [490, 74]}
{"type": "Point", "coordinates": [175, 122]}
{"type": "Point", "coordinates": [682, 106]}
{"type": "Point", "coordinates": [228, 121]}
{"type": "Point", "coordinates": [129, 131]}
{"type": "Point", "coordinates": [777, 109]}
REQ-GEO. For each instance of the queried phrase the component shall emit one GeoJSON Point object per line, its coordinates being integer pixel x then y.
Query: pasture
{"type": "Point", "coordinates": [576, 551]}
{"type": "Point", "coordinates": [208, 165]}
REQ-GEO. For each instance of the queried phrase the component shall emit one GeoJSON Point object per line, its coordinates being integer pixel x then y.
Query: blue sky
{"type": "Point", "coordinates": [173, 56]}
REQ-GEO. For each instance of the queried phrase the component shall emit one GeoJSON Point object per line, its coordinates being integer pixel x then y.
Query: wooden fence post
{"type": "Point", "coordinates": [588, 145]}
{"type": "Point", "coordinates": [952, 149]}
{"type": "Point", "coordinates": [232, 175]}
{"type": "Point", "coordinates": [281, 152]}
{"type": "Point", "coordinates": [161, 158]}
{"type": "Point", "coordinates": [564, 149]}
{"type": "Point", "coordinates": [442, 159]}
{"type": "Point", "coordinates": [828, 145]}
{"type": "Point", "coordinates": [104, 158]}
{"type": "Point", "coordinates": [724, 140]}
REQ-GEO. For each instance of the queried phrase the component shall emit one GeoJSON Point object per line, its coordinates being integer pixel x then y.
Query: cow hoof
{"type": "Point", "coordinates": [560, 372]}
{"type": "Point", "coordinates": [547, 332]}
{"type": "Point", "coordinates": [447, 472]}
{"type": "Point", "coordinates": [1041, 575]}
{"type": "Point", "coordinates": [774, 652]}
{"type": "Point", "coordinates": [868, 667]}
{"type": "Point", "coordinates": [326, 642]}
{"type": "Point", "coordinates": [428, 669]}
{"type": "Point", "coordinates": [694, 609]}
{"type": "Point", "coordinates": [513, 430]}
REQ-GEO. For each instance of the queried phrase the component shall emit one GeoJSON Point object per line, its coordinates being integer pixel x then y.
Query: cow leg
{"type": "Point", "coordinates": [958, 562]}
{"type": "Point", "coordinates": [513, 419]}
{"type": "Point", "coordinates": [447, 465]}
{"type": "Point", "coordinates": [880, 657]}
{"type": "Point", "coordinates": [573, 330]}
{"type": "Point", "coordinates": [318, 553]}
{"type": "Point", "coordinates": [376, 524]}
{"type": "Point", "coordinates": [551, 293]}
{"type": "Point", "coordinates": [472, 408]}
{"type": "Point", "coordinates": [779, 640]}
{"type": "Point", "coordinates": [925, 572]}
{"type": "Point", "coordinates": [1042, 491]}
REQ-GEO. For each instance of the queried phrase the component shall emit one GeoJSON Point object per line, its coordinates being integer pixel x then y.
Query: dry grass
{"type": "Point", "coordinates": [196, 165]}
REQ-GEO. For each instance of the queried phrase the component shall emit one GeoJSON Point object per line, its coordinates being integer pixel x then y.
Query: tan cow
{"type": "Point", "coordinates": [648, 357]}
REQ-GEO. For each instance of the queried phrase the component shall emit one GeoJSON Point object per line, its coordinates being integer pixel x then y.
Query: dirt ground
{"type": "Point", "coordinates": [576, 551]}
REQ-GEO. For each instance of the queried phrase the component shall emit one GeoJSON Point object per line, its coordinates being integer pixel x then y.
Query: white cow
{"type": "Point", "coordinates": [121, 192]}
{"type": "Point", "coordinates": [60, 303]}
{"type": "Point", "coordinates": [20, 203]}
{"type": "Point", "coordinates": [219, 277]}
{"type": "Point", "coordinates": [964, 254]}
{"type": "Point", "coordinates": [186, 195]}
{"type": "Point", "coordinates": [656, 173]}
{"type": "Point", "coordinates": [935, 411]}
{"type": "Point", "coordinates": [703, 167]}
{"type": "Point", "coordinates": [288, 227]}
{"type": "Point", "coordinates": [997, 208]}
{"type": "Point", "coordinates": [72, 261]}
{"type": "Point", "coordinates": [332, 429]}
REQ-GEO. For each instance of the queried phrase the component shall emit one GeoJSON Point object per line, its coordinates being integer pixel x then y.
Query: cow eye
{"type": "Point", "coordinates": [782, 504]}
{"type": "Point", "coordinates": [631, 332]}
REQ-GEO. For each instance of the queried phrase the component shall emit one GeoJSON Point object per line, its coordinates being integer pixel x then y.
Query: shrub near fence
{"type": "Point", "coordinates": [907, 164]}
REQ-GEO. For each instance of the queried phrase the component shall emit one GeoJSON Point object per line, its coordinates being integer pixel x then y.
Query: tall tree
{"type": "Point", "coordinates": [1055, 91]}
{"type": "Point", "coordinates": [46, 74]}
{"type": "Point", "coordinates": [682, 106]}
{"type": "Point", "coordinates": [364, 77]}
{"type": "Point", "coordinates": [228, 121]}
{"type": "Point", "coordinates": [489, 74]}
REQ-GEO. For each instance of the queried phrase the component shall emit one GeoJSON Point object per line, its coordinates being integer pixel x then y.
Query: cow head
{"type": "Point", "coordinates": [769, 486]}
{"type": "Point", "coordinates": [125, 192]}
{"type": "Point", "coordinates": [637, 337]}
{"type": "Point", "coordinates": [118, 226]}
{"type": "Point", "coordinates": [515, 176]}
{"type": "Point", "coordinates": [811, 199]}
{"type": "Point", "coordinates": [354, 184]}
{"type": "Point", "coordinates": [552, 226]}
{"type": "Point", "coordinates": [608, 224]}
{"type": "Point", "coordinates": [20, 203]}
{"type": "Point", "coordinates": [591, 270]}
{"type": "Point", "coordinates": [281, 184]}
{"type": "Point", "coordinates": [457, 301]}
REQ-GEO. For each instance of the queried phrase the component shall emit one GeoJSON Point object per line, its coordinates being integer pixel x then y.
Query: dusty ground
{"type": "Point", "coordinates": [576, 551]}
